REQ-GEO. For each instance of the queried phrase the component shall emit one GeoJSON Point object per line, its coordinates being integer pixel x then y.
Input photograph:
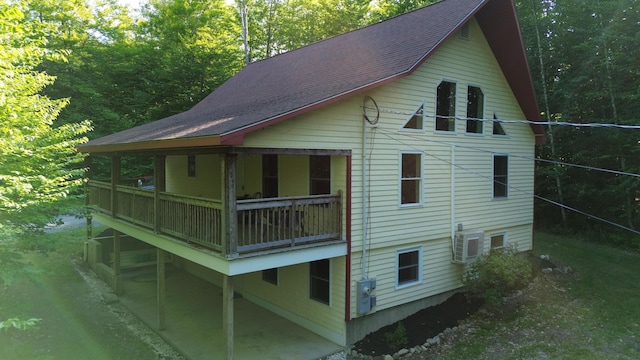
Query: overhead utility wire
{"type": "Point", "coordinates": [616, 172]}
{"type": "Point", "coordinates": [637, 232]}
{"type": "Point", "coordinates": [519, 121]}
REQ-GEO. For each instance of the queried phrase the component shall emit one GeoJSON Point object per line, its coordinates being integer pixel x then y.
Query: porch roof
{"type": "Point", "coordinates": [314, 76]}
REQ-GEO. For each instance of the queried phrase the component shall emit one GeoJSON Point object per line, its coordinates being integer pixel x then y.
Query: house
{"type": "Point", "coordinates": [343, 185]}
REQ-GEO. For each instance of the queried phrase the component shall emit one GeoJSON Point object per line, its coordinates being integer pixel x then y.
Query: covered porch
{"type": "Point", "coordinates": [193, 321]}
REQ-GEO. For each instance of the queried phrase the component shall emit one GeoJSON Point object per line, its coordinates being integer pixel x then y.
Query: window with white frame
{"type": "Point", "coordinates": [498, 241]}
{"type": "Point", "coordinates": [497, 127]}
{"type": "Point", "coordinates": [416, 120]}
{"type": "Point", "coordinates": [446, 106]}
{"type": "Point", "coordinates": [408, 267]}
{"type": "Point", "coordinates": [500, 176]}
{"type": "Point", "coordinates": [475, 110]}
{"type": "Point", "coordinates": [410, 178]}
{"type": "Point", "coordinates": [320, 281]}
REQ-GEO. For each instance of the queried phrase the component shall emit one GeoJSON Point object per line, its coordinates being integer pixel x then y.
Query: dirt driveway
{"type": "Point", "coordinates": [76, 321]}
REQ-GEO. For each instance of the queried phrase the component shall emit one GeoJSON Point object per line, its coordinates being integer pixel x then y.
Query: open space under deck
{"type": "Point", "coordinates": [193, 318]}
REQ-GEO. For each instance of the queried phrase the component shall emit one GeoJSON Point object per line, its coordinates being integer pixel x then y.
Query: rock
{"type": "Point", "coordinates": [544, 257]}
{"type": "Point", "coordinates": [547, 270]}
{"type": "Point", "coordinates": [403, 352]}
{"type": "Point", "coordinates": [388, 357]}
{"type": "Point", "coordinates": [433, 341]}
{"type": "Point", "coordinates": [110, 298]}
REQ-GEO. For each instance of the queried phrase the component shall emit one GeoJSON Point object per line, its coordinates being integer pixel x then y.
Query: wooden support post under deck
{"type": "Point", "coordinates": [227, 315]}
{"type": "Point", "coordinates": [161, 288]}
{"type": "Point", "coordinates": [117, 277]}
{"type": "Point", "coordinates": [88, 175]}
{"type": "Point", "coordinates": [229, 217]}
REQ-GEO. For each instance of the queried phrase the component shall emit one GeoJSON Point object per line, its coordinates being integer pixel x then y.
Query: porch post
{"type": "Point", "coordinates": [161, 288]}
{"type": "Point", "coordinates": [115, 180]}
{"type": "Point", "coordinates": [159, 185]}
{"type": "Point", "coordinates": [87, 201]}
{"type": "Point", "coordinates": [229, 217]}
{"type": "Point", "coordinates": [117, 278]}
{"type": "Point", "coordinates": [227, 315]}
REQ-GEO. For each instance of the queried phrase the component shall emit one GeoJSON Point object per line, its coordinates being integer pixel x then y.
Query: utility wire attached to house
{"type": "Point", "coordinates": [526, 192]}
{"type": "Point", "coordinates": [519, 121]}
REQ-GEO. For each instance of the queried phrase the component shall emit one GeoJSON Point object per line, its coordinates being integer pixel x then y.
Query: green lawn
{"type": "Point", "coordinates": [592, 312]}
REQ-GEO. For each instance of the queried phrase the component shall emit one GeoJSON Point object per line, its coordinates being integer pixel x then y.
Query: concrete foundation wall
{"type": "Point", "coordinates": [360, 327]}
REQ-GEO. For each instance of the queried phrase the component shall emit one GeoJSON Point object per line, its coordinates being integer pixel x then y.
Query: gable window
{"type": "Point", "coordinates": [416, 120]}
{"type": "Point", "coordinates": [319, 280]}
{"type": "Point", "coordinates": [269, 176]}
{"type": "Point", "coordinates": [408, 267]}
{"type": "Point", "coordinates": [270, 276]}
{"type": "Point", "coordinates": [410, 178]}
{"type": "Point", "coordinates": [475, 110]}
{"type": "Point", "coordinates": [498, 241]}
{"type": "Point", "coordinates": [500, 176]}
{"type": "Point", "coordinates": [446, 107]}
{"type": "Point", "coordinates": [497, 127]}
{"type": "Point", "coordinates": [320, 174]}
{"type": "Point", "coordinates": [191, 166]}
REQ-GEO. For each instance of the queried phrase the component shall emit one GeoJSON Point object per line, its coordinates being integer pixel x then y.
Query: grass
{"type": "Point", "coordinates": [590, 313]}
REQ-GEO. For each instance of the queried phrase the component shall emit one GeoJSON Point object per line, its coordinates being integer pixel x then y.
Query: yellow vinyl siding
{"type": "Point", "coordinates": [206, 183]}
{"type": "Point", "coordinates": [292, 294]}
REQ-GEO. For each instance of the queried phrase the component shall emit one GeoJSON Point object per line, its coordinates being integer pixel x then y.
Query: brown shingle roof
{"type": "Point", "coordinates": [317, 75]}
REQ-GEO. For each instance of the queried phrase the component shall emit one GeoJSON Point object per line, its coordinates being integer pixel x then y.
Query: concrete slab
{"type": "Point", "coordinates": [194, 321]}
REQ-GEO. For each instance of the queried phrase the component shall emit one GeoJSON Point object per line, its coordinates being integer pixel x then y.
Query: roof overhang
{"type": "Point", "coordinates": [195, 142]}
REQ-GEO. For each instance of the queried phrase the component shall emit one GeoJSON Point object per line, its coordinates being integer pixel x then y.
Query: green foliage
{"type": "Point", "coordinates": [396, 339]}
{"type": "Point", "coordinates": [18, 324]}
{"type": "Point", "coordinates": [497, 274]}
{"type": "Point", "coordinates": [589, 56]}
{"type": "Point", "coordinates": [40, 165]}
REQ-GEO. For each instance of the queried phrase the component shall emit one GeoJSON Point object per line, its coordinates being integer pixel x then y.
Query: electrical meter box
{"type": "Point", "coordinates": [365, 298]}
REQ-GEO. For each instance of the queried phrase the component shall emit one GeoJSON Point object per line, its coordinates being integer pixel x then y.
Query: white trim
{"type": "Point", "coordinates": [504, 240]}
{"type": "Point", "coordinates": [424, 119]}
{"type": "Point", "coordinates": [421, 179]}
{"type": "Point", "coordinates": [493, 166]}
{"type": "Point", "coordinates": [484, 102]}
{"type": "Point", "coordinates": [397, 267]}
{"type": "Point", "coordinates": [455, 111]}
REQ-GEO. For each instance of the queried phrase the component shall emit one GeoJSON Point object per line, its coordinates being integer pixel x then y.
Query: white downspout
{"type": "Point", "coordinates": [453, 197]}
{"type": "Point", "coordinates": [365, 213]}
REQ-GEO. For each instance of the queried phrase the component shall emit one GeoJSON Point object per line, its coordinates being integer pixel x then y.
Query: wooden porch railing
{"type": "Point", "coordinates": [262, 224]}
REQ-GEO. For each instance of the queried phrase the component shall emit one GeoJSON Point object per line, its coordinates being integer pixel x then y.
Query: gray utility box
{"type": "Point", "coordinates": [365, 298]}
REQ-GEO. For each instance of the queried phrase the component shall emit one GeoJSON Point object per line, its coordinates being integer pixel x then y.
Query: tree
{"type": "Point", "coordinates": [40, 167]}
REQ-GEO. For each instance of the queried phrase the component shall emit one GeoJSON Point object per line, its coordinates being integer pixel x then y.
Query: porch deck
{"type": "Point", "coordinates": [194, 321]}
{"type": "Point", "coordinates": [246, 227]}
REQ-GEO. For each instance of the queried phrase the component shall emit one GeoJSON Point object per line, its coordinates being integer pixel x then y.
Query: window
{"type": "Point", "coordinates": [446, 107]}
{"type": "Point", "coordinates": [191, 166]}
{"type": "Point", "coordinates": [416, 120]}
{"type": "Point", "coordinates": [411, 178]}
{"type": "Point", "coordinates": [475, 110]}
{"type": "Point", "coordinates": [498, 241]}
{"type": "Point", "coordinates": [270, 276]}
{"type": "Point", "coordinates": [500, 176]}
{"type": "Point", "coordinates": [497, 127]}
{"type": "Point", "coordinates": [319, 281]}
{"type": "Point", "coordinates": [269, 176]}
{"type": "Point", "coordinates": [320, 174]}
{"type": "Point", "coordinates": [409, 267]}
{"type": "Point", "coordinates": [464, 32]}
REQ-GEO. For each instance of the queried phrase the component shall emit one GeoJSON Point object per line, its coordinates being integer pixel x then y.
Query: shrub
{"type": "Point", "coordinates": [496, 275]}
{"type": "Point", "coordinates": [396, 339]}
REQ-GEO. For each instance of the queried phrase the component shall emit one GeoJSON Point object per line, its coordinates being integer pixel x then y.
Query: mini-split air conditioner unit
{"type": "Point", "coordinates": [467, 246]}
